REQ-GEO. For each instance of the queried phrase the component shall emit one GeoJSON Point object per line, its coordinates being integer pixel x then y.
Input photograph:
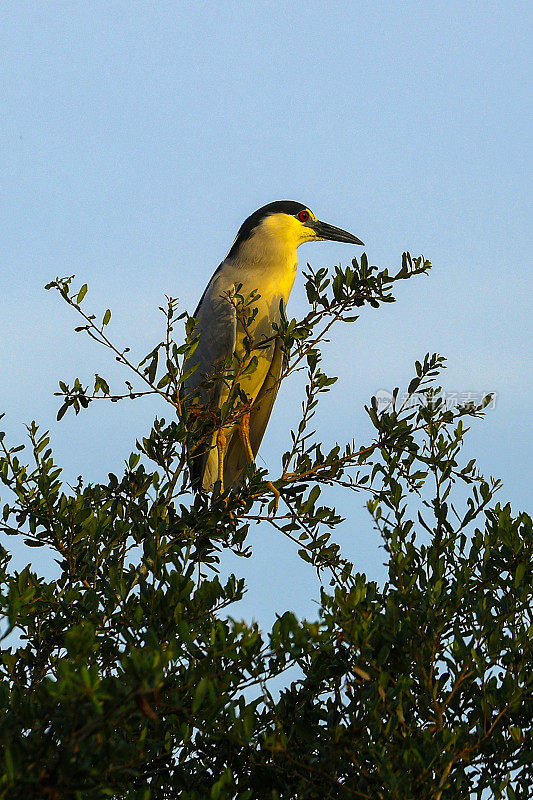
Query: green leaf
{"type": "Point", "coordinates": [519, 574]}
{"type": "Point", "coordinates": [200, 693]}
{"type": "Point", "coordinates": [62, 411]}
{"type": "Point", "coordinates": [81, 294]}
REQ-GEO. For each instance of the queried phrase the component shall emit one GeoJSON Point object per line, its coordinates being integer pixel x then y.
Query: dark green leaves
{"type": "Point", "coordinates": [129, 674]}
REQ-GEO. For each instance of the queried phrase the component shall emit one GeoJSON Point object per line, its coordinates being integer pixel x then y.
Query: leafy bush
{"type": "Point", "coordinates": [126, 675]}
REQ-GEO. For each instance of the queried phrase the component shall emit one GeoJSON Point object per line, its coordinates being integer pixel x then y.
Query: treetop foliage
{"type": "Point", "coordinates": [127, 676]}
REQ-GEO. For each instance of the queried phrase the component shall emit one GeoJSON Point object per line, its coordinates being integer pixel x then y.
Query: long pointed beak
{"type": "Point", "coordinates": [329, 232]}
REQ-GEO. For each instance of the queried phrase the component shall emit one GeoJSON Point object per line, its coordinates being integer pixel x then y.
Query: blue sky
{"type": "Point", "coordinates": [137, 136]}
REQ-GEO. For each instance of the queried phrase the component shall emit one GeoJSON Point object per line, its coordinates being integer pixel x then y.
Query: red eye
{"type": "Point", "coordinates": [303, 216]}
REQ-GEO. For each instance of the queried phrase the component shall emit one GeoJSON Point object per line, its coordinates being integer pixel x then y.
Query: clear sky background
{"type": "Point", "coordinates": [137, 136]}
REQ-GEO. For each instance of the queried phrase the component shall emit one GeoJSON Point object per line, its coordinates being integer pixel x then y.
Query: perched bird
{"type": "Point", "coordinates": [261, 260]}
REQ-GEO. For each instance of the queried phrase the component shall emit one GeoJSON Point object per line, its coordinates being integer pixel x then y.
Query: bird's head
{"type": "Point", "coordinates": [285, 225]}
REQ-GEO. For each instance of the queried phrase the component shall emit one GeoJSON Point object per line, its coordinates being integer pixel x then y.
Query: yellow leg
{"type": "Point", "coordinates": [221, 451]}
{"type": "Point", "coordinates": [245, 433]}
{"type": "Point", "coordinates": [276, 493]}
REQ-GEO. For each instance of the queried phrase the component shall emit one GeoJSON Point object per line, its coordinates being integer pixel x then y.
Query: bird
{"type": "Point", "coordinates": [235, 342]}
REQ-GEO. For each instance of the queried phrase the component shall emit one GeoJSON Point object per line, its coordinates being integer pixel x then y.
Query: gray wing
{"type": "Point", "coordinates": [216, 326]}
{"type": "Point", "coordinates": [266, 398]}
{"type": "Point", "coordinates": [236, 458]}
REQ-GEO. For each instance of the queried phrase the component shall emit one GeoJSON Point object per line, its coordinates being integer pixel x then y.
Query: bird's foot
{"type": "Point", "coordinates": [277, 495]}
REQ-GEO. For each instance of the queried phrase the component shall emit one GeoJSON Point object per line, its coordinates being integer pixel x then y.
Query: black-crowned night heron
{"type": "Point", "coordinates": [262, 260]}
